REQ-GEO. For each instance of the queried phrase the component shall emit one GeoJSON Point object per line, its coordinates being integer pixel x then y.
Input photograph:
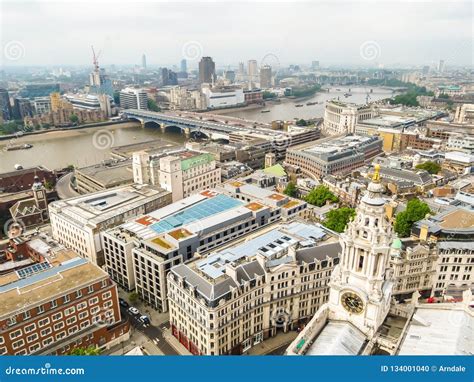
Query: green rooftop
{"type": "Point", "coordinates": [276, 170]}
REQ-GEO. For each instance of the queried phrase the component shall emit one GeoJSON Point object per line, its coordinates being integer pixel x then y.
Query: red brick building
{"type": "Point", "coordinates": [57, 304]}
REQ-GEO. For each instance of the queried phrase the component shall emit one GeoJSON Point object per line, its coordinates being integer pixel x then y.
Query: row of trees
{"type": "Point", "coordinates": [416, 210]}
{"type": "Point", "coordinates": [338, 218]}
{"type": "Point", "coordinates": [409, 98]}
{"type": "Point", "coordinates": [431, 167]}
{"type": "Point", "coordinates": [306, 91]}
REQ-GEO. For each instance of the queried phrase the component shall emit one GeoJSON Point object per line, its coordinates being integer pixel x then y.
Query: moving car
{"type": "Point", "coordinates": [144, 320]}
{"type": "Point", "coordinates": [133, 310]}
{"type": "Point", "coordinates": [123, 303]}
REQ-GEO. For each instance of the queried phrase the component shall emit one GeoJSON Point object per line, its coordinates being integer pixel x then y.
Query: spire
{"type": "Point", "coordinates": [375, 189]}
{"type": "Point", "coordinates": [376, 176]}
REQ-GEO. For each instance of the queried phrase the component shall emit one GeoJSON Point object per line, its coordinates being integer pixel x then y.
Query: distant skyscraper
{"type": "Point", "coordinates": [184, 66]}
{"type": "Point", "coordinates": [98, 80]}
{"type": "Point", "coordinates": [441, 66]}
{"type": "Point", "coordinates": [168, 77]}
{"type": "Point", "coordinates": [5, 107]}
{"type": "Point", "coordinates": [315, 65]}
{"type": "Point", "coordinates": [241, 68]}
{"type": "Point", "coordinates": [143, 61]}
{"type": "Point", "coordinates": [426, 69]}
{"type": "Point", "coordinates": [266, 77]}
{"type": "Point", "coordinates": [230, 75]}
{"type": "Point", "coordinates": [252, 70]}
{"type": "Point", "coordinates": [207, 70]}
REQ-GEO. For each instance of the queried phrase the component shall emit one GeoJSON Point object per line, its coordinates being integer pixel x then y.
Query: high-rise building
{"type": "Point", "coordinates": [252, 70]}
{"type": "Point", "coordinates": [241, 68]}
{"type": "Point", "coordinates": [266, 77]}
{"type": "Point", "coordinates": [133, 99]}
{"type": "Point", "coordinates": [99, 82]}
{"type": "Point", "coordinates": [229, 75]}
{"type": "Point", "coordinates": [168, 77]}
{"type": "Point", "coordinates": [184, 66]}
{"type": "Point", "coordinates": [5, 106]}
{"type": "Point", "coordinates": [207, 70]}
{"type": "Point", "coordinates": [23, 108]}
{"type": "Point", "coordinates": [315, 65]}
{"type": "Point", "coordinates": [143, 61]}
{"type": "Point", "coordinates": [441, 66]}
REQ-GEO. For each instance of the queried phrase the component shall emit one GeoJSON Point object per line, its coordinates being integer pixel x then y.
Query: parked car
{"type": "Point", "coordinates": [144, 320]}
{"type": "Point", "coordinates": [123, 303]}
{"type": "Point", "coordinates": [133, 310]}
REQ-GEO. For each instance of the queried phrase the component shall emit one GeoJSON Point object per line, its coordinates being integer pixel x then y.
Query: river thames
{"type": "Point", "coordinates": [84, 147]}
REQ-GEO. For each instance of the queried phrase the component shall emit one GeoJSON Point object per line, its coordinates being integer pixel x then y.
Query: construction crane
{"type": "Point", "coordinates": [95, 58]}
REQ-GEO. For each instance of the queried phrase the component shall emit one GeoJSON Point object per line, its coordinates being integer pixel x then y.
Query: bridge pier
{"type": "Point", "coordinates": [162, 127]}
{"type": "Point", "coordinates": [187, 132]}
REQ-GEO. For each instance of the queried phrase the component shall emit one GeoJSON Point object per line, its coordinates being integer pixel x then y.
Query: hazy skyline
{"type": "Point", "coordinates": [368, 33]}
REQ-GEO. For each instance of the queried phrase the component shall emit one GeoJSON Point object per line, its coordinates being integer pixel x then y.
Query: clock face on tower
{"type": "Point", "coordinates": [352, 302]}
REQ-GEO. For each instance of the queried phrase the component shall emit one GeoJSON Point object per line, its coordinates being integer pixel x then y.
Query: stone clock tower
{"type": "Point", "coordinates": [361, 284]}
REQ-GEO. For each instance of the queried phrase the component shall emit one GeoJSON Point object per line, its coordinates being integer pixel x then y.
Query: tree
{"type": "Point", "coordinates": [416, 210]}
{"type": "Point", "coordinates": [90, 350]}
{"type": "Point", "coordinates": [301, 122]}
{"type": "Point", "coordinates": [431, 167]}
{"type": "Point", "coordinates": [152, 105]}
{"type": "Point", "coordinates": [133, 297]}
{"type": "Point", "coordinates": [337, 219]}
{"type": "Point", "coordinates": [48, 185]}
{"type": "Point", "coordinates": [268, 95]}
{"type": "Point", "coordinates": [291, 190]}
{"type": "Point", "coordinates": [319, 195]}
{"type": "Point", "coordinates": [74, 118]}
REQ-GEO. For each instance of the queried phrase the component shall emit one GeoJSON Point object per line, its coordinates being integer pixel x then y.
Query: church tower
{"type": "Point", "coordinates": [361, 284]}
{"type": "Point", "coordinates": [39, 194]}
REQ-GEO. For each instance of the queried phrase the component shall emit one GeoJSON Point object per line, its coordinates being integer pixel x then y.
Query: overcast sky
{"type": "Point", "coordinates": [366, 33]}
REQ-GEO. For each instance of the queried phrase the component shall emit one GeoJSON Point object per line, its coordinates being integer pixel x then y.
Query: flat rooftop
{"type": "Point", "coordinates": [327, 148]}
{"type": "Point", "coordinates": [443, 329]}
{"type": "Point", "coordinates": [153, 147]}
{"type": "Point", "coordinates": [42, 281]}
{"type": "Point", "coordinates": [101, 206]}
{"type": "Point", "coordinates": [109, 174]}
{"type": "Point", "coordinates": [458, 219]}
{"type": "Point", "coordinates": [269, 244]}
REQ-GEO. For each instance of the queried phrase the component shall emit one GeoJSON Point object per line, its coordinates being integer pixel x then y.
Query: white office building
{"type": "Point", "coordinates": [342, 117]}
{"type": "Point", "coordinates": [140, 252]}
{"type": "Point", "coordinates": [78, 222]}
{"type": "Point", "coordinates": [131, 98]}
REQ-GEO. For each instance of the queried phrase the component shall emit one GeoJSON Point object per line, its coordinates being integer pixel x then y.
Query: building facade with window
{"type": "Point", "coordinates": [140, 252]}
{"type": "Point", "coordinates": [235, 298]}
{"type": "Point", "coordinates": [59, 304]}
{"type": "Point", "coordinates": [78, 222]}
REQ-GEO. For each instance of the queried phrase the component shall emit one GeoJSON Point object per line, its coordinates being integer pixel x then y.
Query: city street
{"type": "Point", "coordinates": [152, 332]}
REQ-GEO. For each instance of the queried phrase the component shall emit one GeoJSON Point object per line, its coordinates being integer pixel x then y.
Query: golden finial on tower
{"type": "Point", "coordinates": [376, 176]}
